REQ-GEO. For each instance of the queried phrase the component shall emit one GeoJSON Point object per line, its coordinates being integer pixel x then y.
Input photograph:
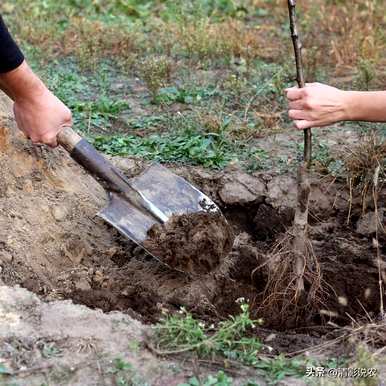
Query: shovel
{"type": "Point", "coordinates": [137, 204]}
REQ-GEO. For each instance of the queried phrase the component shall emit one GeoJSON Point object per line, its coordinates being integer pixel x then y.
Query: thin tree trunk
{"type": "Point", "coordinates": [300, 225]}
{"type": "Point", "coordinates": [300, 75]}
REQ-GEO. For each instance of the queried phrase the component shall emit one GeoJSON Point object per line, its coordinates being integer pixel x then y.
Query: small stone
{"type": "Point", "coordinates": [282, 192]}
{"type": "Point", "coordinates": [138, 251]}
{"type": "Point", "coordinates": [253, 184]}
{"type": "Point", "coordinates": [235, 193]}
{"type": "Point", "coordinates": [59, 213]}
{"type": "Point", "coordinates": [82, 285]}
{"type": "Point", "coordinates": [270, 338]}
{"type": "Point", "coordinates": [369, 222]}
{"type": "Point", "coordinates": [28, 186]}
{"type": "Point", "coordinates": [343, 301]}
{"type": "Point", "coordinates": [128, 166]}
{"type": "Point", "coordinates": [98, 277]}
{"type": "Point", "coordinates": [6, 257]}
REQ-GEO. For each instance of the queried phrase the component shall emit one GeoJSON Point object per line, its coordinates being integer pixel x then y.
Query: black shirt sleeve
{"type": "Point", "coordinates": [10, 55]}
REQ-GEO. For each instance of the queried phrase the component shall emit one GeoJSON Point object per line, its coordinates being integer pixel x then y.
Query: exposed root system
{"type": "Point", "coordinates": [282, 295]}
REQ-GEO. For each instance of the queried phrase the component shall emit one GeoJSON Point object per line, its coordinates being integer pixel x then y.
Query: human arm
{"type": "Point", "coordinates": [38, 112]}
{"type": "Point", "coordinates": [319, 105]}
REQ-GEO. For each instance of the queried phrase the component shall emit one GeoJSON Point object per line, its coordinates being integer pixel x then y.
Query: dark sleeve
{"type": "Point", "coordinates": [10, 55]}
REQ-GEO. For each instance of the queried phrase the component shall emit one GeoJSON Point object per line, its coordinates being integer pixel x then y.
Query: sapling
{"type": "Point", "coordinates": [294, 277]}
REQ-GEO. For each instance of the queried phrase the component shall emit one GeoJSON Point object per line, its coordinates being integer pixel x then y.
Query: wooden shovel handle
{"type": "Point", "coordinates": [68, 139]}
{"type": "Point", "coordinates": [95, 163]}
{"type": "Point", "coordinates": [110, 177]}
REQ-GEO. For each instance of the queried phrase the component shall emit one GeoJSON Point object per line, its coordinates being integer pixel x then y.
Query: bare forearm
{"type": "Point", "coordinates": [21, 83]}
{"type": "Point", "coordinates": [38, 112]}
{"type": "Point", "coordinates": [365, 106]}
{"type": "Point", "coordinates": [319, 105]}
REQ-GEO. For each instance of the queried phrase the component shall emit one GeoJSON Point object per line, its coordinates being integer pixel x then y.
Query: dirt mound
{"type": "Point", "coordinates": [195, 243]}
{"type": "Point", "coordinates": [47, 214]}
{"type": "Point", "coordinates": [53, 244]}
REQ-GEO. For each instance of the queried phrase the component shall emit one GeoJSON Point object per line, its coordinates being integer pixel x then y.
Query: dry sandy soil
{"type": "Point", "coordinates": [88, 293]}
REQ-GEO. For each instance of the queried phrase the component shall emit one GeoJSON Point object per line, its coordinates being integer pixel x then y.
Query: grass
{"type": "Point", "coordinates": [123, 373]}
{"type": "Point", "coordinates": [220, 379]}
{"type": "Point", "coordinates": [234, 340]}
{"type": "Point", "coordinates": [183, 333]}
{"type": "Point", "coordinates": [127, 67]}
{"type": "Point", "coordinates": [231, 339]}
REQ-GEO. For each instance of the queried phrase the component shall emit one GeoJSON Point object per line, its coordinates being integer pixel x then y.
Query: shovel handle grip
{"type": "Point", "coordinates": [68, 139]}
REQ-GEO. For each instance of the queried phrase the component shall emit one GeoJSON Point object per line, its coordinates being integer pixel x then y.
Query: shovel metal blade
{"type": "Point", "coordinates": [171, 194]}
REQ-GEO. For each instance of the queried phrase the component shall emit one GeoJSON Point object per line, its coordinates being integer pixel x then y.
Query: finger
{"type": "Point", "coordinates": [53, 143]}
{"type": "Point", "coordinates": [50, 141]}
{"type": "Point", "coordinates": [294, 94]}
{"type": "Point", "coordinates": [303, 124]}
{"type": "Point", "coordinates": [296, 105]}
{"type": "Point", "coordinates": [298, 114]}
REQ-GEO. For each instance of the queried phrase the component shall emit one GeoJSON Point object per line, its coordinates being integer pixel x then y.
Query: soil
{"type": "Point", "coordinates": [53, 244]}
{"type": "Point", "coordinates": [196, 242]}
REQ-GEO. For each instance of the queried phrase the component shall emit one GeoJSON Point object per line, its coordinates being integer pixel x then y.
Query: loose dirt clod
{"type": "Point", "coordinates": [195, 243]}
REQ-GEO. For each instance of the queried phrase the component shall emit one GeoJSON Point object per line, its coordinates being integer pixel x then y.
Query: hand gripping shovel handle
{"type": "Point", "coordinates": [110, 177]}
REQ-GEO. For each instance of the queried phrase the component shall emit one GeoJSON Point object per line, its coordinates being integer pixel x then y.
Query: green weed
{"type": "Point", "coordinates": [147, 122]}
{"type": "Point", "coordinates": [156, 73]}
{"type": "Point", "coordinates": [184, 147]}
{"type": "Point", "coordinates": [181, 332]}
{"type": "Point", "coordinates": [221, 379]}
{"type": "Point", "coordinates": [184, 95]}
{"type": "Point", "coordinates": [123, 373]}
{"type": "Point", "coordinates": [365, 359]}
{"type": "Point", "coordinates": [277, 368]}
{"type": "Point", "coordinates": [4, 370]}
{"type": "Point", "coordinates": [50, 350]}
{"type": "Point", "coordinates": [366, 73]}
{"type": "Point", "coordinates": [178, 333]}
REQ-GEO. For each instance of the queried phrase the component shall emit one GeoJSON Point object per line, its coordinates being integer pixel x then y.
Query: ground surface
{"type": "Point", "coordinates": [55, 246]}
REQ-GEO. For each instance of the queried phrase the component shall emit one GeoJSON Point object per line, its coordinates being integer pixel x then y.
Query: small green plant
{"type": "Point", "coordinates": [366, 74]}
{"type": "Point", "coordinates": [156, 73]}
{"type": "Point", "coordinates": [277, 368]}
{"type": "Point", "coordinates": [4, 370]}
{"type": "Point", "coordinates": [365, 359]}
{"type": "Point", "coordinates": [170, 95]}
{"type": "Point", "coordinates": [220, 379]}
{"type": "Point", "coordinates": [181, 332]}
{"type": "Point", "coordinates": [124, 373]}
{"type": "Point", "coordinates": [50, 350]}
{"type": "Point", "coordinates": [256, 159]}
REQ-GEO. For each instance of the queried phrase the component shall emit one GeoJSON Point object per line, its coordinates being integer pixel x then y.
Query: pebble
{"type": "Point", "coordinates": [5, 257]}
{"type": "Point", "coordinates": [82, 285]}
{"type": "Point", "coordinates": [59, 213]}
{"type": "Point", "coordinates": [235, 193]}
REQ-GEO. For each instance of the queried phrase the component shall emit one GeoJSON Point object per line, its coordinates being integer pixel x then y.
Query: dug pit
{"type": "Point", "coordinates": [53, 244]}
